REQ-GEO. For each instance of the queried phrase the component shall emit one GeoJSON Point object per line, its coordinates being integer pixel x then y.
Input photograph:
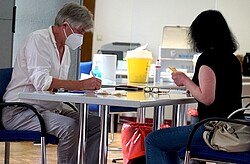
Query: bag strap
{"type": "Point", "coordinates": [236, 111]}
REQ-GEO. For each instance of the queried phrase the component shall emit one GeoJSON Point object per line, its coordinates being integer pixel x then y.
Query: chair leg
{"type": "Point", "coordinates": [7, 153]}
{"type": "Point", "coordinates": [116, 159]}
{"type": "Point", "coordinates": [112, 132]}
{"type": "Point", "coordinates": [43, 150]}
{"type": "Point", "coordinates": [112, 128]}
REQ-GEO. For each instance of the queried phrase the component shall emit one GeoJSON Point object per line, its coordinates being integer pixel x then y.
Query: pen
{"type": "Point", "coordinates": [92, 73]}
{"type": "Point", "coordinates": [61, 90]}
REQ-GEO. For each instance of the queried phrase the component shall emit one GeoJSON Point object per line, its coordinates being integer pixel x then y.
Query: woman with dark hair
{"type": "Point", "coordinates": [216, 85]}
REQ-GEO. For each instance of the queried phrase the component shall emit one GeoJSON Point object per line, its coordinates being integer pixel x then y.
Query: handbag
{"type": "Point", "coordinates": [133, 137]}
{"type": "Point", "coordinates": [227, 136]}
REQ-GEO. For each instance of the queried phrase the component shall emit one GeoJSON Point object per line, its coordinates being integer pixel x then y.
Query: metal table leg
{"type": "Point", "coordinates": [83, 119]}
{"type": "Point", "coordinates": [158, 117]}
{"type": "Point", "coordinates": [103, 152]}
{"type": "Point", "coordinates": [181, 115]}
{"type": "Point", "coordinates": [174, 115]}
{"type": "Point", "coordinates": [141, 115]}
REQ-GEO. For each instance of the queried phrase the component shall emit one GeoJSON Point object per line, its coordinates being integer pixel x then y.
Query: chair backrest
{"type": "Point", "coordinates": [85, 67]}
{"type": "Point", "coordinates": [5, 77]}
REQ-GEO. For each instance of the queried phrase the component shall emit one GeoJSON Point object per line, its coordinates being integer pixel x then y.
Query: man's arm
{"type": "Point", "coordinates": [87, 84]}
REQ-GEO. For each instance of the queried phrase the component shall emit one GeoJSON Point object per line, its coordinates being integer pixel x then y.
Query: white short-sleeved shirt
{"type": "Point", "coordinates": [36, 63]}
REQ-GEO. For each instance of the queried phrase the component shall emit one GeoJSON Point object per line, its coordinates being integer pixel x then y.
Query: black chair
{"type": "Point", "coordinates": [202, 152]}
{"type": "Point", "coordinates": [8, 136]}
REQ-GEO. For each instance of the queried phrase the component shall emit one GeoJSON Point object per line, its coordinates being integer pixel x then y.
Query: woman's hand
{"type": "Point", "coordinates": [179, 78]}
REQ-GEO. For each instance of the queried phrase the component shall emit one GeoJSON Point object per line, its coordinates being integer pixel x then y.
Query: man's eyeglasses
{"type": "Point", "coordinates": [155, 90]}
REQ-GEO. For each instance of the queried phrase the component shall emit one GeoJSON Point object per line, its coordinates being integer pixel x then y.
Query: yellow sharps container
{"type": "Point", "coordinates": [138, 65]}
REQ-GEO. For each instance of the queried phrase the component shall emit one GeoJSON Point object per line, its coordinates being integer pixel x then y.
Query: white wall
{"type": "Point", "coordinates": [143, 20]}
{"type": "Point", "coordinates": [237, 14]}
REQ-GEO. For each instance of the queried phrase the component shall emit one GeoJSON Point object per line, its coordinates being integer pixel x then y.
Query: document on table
{"type": "Point", "coordinates": [111, 91]}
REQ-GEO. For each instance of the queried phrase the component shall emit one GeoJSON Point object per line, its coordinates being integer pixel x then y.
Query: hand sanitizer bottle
{"type": "Point", "coordinates": [96, 72]}
{"type": "Point", "coordinates": [157, 73]}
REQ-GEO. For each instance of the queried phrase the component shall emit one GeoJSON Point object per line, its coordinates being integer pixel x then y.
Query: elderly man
{"type": "Point", "coordinates": [43, 63]}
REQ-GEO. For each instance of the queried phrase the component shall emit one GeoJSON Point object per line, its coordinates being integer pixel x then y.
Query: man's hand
{"type": "Point", "coordinates": [92, 83]}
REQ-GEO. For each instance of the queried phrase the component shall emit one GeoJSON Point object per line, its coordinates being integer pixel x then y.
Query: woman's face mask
{"type": "Point", "coordinates": [74, 40]}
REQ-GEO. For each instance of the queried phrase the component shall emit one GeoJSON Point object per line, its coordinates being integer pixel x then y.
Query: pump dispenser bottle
{"type": "Point", "coordinates": [157, 73]}
{"type": "Point", "coordinates": [96, 72]}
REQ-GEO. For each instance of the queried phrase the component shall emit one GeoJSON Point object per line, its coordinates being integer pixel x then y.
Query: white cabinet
{"type": "Point", "coordinates": [174, 50]}
{"type": "Point", "coordinates": [181, 59]}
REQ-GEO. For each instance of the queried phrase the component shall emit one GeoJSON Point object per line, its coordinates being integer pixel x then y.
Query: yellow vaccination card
{"type": "Point", "coordinates": [173, 69]}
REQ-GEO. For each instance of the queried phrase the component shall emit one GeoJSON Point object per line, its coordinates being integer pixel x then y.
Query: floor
{"type": "Point", "coordinates": [28, 153]}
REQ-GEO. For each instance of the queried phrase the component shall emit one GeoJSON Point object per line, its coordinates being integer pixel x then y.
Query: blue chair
{"type": "Point", "coordinates": [86, 67]}
{"type": "Point", "coordinates": [202, 152]}
{"type": "Point", "coordinates": [8, 136]}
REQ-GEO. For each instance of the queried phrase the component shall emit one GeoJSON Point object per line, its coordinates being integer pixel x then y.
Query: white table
{"type": "Point", "coordinates": [137, 99]}
{"type": "Point", "coordinates": [178, 113]}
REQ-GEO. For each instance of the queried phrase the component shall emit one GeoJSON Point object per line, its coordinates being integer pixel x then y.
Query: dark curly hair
{"type": "Point", "coordinates": [209, 31]}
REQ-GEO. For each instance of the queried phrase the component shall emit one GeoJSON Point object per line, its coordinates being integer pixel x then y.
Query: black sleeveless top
{"type": "Point", "coordinates": [227, 70]}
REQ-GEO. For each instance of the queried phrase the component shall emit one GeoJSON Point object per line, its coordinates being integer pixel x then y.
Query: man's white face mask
{"type": "Point", "coordinates": [74, 40]}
